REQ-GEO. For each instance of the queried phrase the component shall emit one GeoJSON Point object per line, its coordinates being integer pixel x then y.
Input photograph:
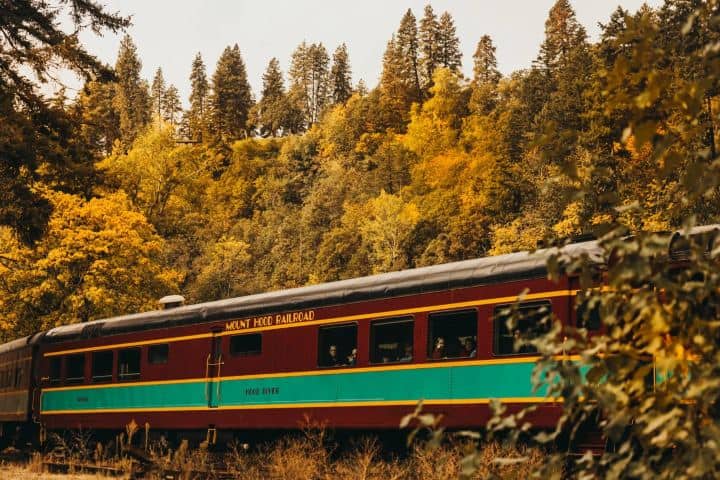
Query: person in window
{"type": "Point", "coordinates": [407, 354]}
{"type": "Point", "coordinates": [439, 350]}
{"type": "Point", "coordinates": [352, 358]}
{"type": "Point", "coordinates": [469, 348]}
{"type": "Point", "coordinates": [332, 357]}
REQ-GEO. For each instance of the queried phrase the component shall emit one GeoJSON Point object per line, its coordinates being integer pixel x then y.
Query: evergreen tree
{"type": "Point", "coordinates": [340, 75]}
{"type": "Point", "coordinates": [563, 34]}
{"type": "Point", "coordinates": [199, 90]}
{"type": "Point", "coordinates": [449, 56]}
{"type": "Point", "coordinates": [406, 43]}
{"type": "Point", "coordinates": [394, 97]}
{"type": "Point", "coordinates": [231, 98]}
{"type": "Point", "coordinates": [131, 94]}
{"type": "Point", "coordinates": [100, 122]}
{"type": "Point", "coordinates": [157, 93]}
{"type": "Point", "coordinates": [429, 36]}
{"type": "Point", "coordinates": [171, 106]}
{"type": "Point", "coordinates": [273, 114]}
{"type": "Point", "coordinates": [485, 64]}
{"type": "Point", "coordinates": [309, 80]}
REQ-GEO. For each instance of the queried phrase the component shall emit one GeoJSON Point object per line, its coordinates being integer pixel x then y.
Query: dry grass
{"type": "Point", "coordinates": [310, 458]}
{"type": "Point", "coordinates": [313, 457]}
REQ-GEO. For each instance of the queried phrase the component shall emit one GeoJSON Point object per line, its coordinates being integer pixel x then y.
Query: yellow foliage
{"type": "Point", "coordinates": [99, 258]}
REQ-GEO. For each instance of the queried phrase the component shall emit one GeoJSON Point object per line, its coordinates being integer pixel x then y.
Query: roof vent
{"type": "Point", "coordinates": [171, 301]}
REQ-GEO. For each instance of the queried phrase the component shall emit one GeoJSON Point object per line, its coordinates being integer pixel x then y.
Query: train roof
{"type": "Point", "coordinates": [20, 343]}
{"type": "Point", "coordinates": [480, 271]}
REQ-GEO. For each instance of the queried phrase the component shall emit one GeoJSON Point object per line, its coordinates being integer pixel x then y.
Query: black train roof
{"type": "Point", "coordinates": [481, 271]}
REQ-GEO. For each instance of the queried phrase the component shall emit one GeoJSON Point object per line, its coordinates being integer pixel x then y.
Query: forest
{"type": "Point", "coordinates": [118, 196]}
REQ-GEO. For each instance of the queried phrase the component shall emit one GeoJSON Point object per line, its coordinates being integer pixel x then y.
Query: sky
{"type": "Point", "coordinates": [169, 33]}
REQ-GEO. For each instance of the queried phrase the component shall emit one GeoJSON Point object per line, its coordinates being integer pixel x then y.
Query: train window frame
{"type": "Point", "coordinates": [69, 368]}
{"type": "Point", "coordinates": [164, 354]}
{"type": "Point", "coordinates": [432, 336]}
{"type": "Point", "coordinates": [105, 359]}
{"type": "Point", "coordinates": [324, 347]}
{"type": "Point", "coordinates": [530, 351]}
{"type": "Point", "coordinates": [249, 352]}
{"type": "Point", "coordinates": [375, 359]}
{"type": "Point", "coordinates": [122, 362]}
{"type": "Point", "coordinates": [55, 361]}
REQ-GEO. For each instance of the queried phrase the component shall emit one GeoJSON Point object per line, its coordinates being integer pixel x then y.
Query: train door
{"type": "Point", "coordinates": [213, 370]}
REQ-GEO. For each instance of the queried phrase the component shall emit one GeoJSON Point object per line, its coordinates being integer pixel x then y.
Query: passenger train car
{"type": "Point", "coordinates": [353, 354]}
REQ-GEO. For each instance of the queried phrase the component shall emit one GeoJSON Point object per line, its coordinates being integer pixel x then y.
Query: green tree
{"type": "Point", "coordinates": [429, 37]}
{"type": "Point", "coordinates": [100, 122]}
{"type": "Point", "coordinates": [407, 45]}
{"type": "Point", "coordinates": [157, 93]}
{"type": "Point", "coordinates": [340, 75]}
{"type": "Point", "coordinates": [274, 114]}
{"type": "Point", "coordinates": [449, 55]}
{"type": "Point", "coordinates": [563, 34]}
{"type": "Point", "coordinates": [171, 106]}
{"type": "Point", "coordinates": [231, 98]}
{"type": "Point", "coordinates": [199, 99]}
{"type": "Point", "coordinates": [310, 87]}
{"type": "Point", "coordinates": [131, 93]}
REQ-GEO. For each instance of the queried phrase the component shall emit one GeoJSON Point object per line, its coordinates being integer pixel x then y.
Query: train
{"type": "Point", "coordinates": [355, 354]}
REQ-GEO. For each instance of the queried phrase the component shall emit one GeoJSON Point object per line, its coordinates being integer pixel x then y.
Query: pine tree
{"type": "Point", "coordinates": [406, 43]}
{"type": "Point", "coordinates": [563, 34]}
{"type": "Point", "coordinates": [486, 76]}
{"type": "Point", "coordinates": [309, 81]}
{"type": "Point", "coordinates": [131, 94]}
{"type": "Point", "coordinates": [199, 90]}
{"type": "Point", "coordinates": [231, 98]}
{"type": "Point", "coordinates": [340, 75]}
{"type": "Point", "coordinates": [429, 36]}
{"type": "Point", "coordinates": [273, 114]}
{"type": "Point", "coordinates": [450, 56]}
{"type": "Point", "coordinates": [100, 122]}
{"type": "Point", "coordinates": [171, 106]}
{"type": "Point", "coordinates": [394, 98]}
{"type": "Point", "coordinates": [485, 64]}
{"type": "Point", "coordinates": [157, 92]}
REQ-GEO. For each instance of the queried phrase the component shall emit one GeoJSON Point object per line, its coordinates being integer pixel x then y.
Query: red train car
{"type": "Point", "coordinates": [354, 354]}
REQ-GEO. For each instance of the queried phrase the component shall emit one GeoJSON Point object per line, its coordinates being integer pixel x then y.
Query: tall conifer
{"type": "Point", "coordinates": [199, 92]}
{"type": "Point", "coordinates": [131, 93]}
{"type": "Point", "coordinates": [309, 80]}
{"type": "Point", "coordinates": [231, 97]}
{"type": "Point", "coordinates": [157, 91]}
{"type": "Point", "coordinates": [450, 56]}
{"type": "Point", "coordinates": [340, 75]}
{"type": "Point", "coordinates": [563, 33]}
{"type": "Point", "coordinates": [407, 46]}
{"type": "Point", "coordinates": [171, 105]}
{"type": "Point", "coordinates": [485, 64]}
{"type": "Point", "coordinates": [429, 37]}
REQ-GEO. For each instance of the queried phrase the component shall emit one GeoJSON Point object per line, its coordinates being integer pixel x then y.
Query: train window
{"type": "Point", "coordinates": [391, 340]}
{"type": "Point", "coordinates": [18, 376]}
{"type": "Point", "coordinates": [452, 334]}
{"type": "Point", "coordinates": [158, 354]}
{"type": "Point", "coordinates": [102, 364]}
{"type": "Point", "coordinates": [530, 320]}
{"type": "Point", "coordinates": [337, 345]}
{"type": "Point", "coordinates": [129, 364]}
{"type": "Point", "coordinates": [250, 344]}
{"type": "Point", "coordinates": [55, 376]}
{"type": "Point", "coordinates": [75, 368]}
{"type": "Point", "coordinates": [588, 315]}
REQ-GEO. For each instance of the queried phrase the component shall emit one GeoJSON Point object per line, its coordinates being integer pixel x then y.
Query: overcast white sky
{"type": "Point", "coordinates": [169, 33]}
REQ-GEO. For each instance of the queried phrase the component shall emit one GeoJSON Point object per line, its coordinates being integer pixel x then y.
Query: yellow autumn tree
{"type": "Point", "coordinates": [99, 258]}
{"type": "Point", "coordinates": [385, 227]}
